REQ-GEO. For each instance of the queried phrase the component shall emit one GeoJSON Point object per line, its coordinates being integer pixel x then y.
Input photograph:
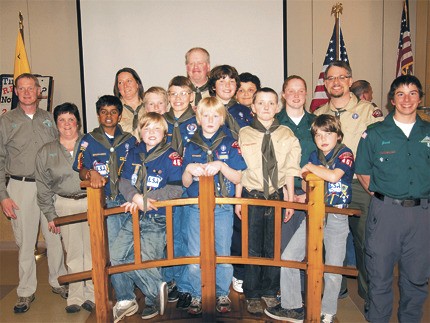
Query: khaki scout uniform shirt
{"type": "Point", "coordinates": [127, 119]}
{"type": "Point", "coordinates": [55, 175]}
{"type": "Point", "coordinates": [356, 118]}
{"type": "Point", "coordinates": [20, 139]}
{"type": "Point", "coordinates": [287, 151]}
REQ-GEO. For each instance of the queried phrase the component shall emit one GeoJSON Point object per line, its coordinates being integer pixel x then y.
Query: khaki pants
{"type": "Point", "coordinates": [25, 228]}
{"type": "Point", "coordinates": [76, 240]}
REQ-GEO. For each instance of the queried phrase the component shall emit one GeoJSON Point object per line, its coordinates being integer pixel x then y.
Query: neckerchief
{"type": "Point", "coordinates": [197, 139]}
{"type": "Point", "coordinates": [135, 114]}
{"type": "Point", "coordinates": [270, 164]}
{"type": "Point", "coordinates": [99, 135]}
{"type": "Point", "coordinates": [177, 143]}
{"type": "Point", "coordinates": [156, 152]}
{"type": "Point", "coordinates": [198, 92]}
{"type": "Point", "coordinates": [338, 112]}
{"type": "Point", "coordinates": [230, 121]}
{"type": "Point", "coordinates": [329, 163]}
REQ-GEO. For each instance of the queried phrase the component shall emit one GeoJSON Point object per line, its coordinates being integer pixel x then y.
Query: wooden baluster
{"type": "Point", "coordinates": [100, 254]}
{"type": "Point", "coordinates": [314, 229]}
{"type": "Point", "coordinates": [207, 246]}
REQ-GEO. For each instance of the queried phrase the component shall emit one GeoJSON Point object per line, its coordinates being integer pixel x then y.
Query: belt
{"type": "Point", "coordinates": [20, 178]}
{"type": "Point", "coordinates": [340, 206]}
{"type": "Point", "coordinates": [404, 203]}
{"type": "Point", "coordinates": [74, 197]}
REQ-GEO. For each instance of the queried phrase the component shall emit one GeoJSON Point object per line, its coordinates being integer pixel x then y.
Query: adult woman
{"type": "Point", "coordinates": [59, 194]}
{"type": "Point", "coordinates": [128, 87]}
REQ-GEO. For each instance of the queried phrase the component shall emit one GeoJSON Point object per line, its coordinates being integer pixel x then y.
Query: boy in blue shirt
{"type": "Point", "coordinates": [101, 155]}
{"type": "Point", "coordinates": [333, 162]}
{"type": "Point", "coordinates": [211, 152]}
{"type": "Point", "coordinates": [223, 83]}
{"type": "Point", "coordinates": [182, 125]}
{"type": "Point", "coordinates": [152, 172]}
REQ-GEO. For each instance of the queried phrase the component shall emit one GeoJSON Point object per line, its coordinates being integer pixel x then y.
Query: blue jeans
{"type": "Point", "coordinates": [223, 234]}
{"type": "Point", "coordinates": [180, 227]}
{"type": "Point", "coordinates": [152, 242]}
{"type": "Point", "coordinates": [335, 234]}
{"type": "Point", "coordinates": [124, 288]}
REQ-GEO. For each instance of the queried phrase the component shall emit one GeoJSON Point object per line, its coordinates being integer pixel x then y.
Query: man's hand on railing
{"type": "Point", "coordinates": [300, 198]}
{"type": "Point", "coordinates": [52, 228]}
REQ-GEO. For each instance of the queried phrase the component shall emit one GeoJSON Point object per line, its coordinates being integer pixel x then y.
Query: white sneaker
{"type": "Point", "coordinates": [237, 285]}
{"type": "Point", "coordinates": [123, 309]}
{"type": "Point", "coordinates": [327, 318]}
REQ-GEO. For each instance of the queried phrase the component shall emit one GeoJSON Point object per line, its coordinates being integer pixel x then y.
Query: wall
{"type": "Point", "coordinates": [370, 31]}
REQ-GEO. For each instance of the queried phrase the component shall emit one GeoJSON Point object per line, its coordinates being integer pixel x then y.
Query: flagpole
{"type": "Point", "coordinates": [336, 10]}
{"type": "Point", "coordinates": [21, 25]}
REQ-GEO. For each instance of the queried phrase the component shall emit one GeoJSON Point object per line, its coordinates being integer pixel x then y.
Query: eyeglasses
{"type": "Point", "coordinates": [341, 78]}
{"type": "Point", "coordinates": [182, 94]}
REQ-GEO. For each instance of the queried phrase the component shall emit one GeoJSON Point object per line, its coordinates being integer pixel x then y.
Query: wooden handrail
{"type": "Point", "coordinates": [313, 264]}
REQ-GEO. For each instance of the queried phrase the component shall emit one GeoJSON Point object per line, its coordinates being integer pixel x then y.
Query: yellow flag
{"type": "Point", "coordinates": [21, 60]}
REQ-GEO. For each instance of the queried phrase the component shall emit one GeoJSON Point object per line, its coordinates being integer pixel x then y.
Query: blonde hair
{"type": "Point", "coordinates": [151, 118]}
{"type": "Point", "coordinates": [156, 90]}
{"type": "Point", "coordinates": [213, 104]}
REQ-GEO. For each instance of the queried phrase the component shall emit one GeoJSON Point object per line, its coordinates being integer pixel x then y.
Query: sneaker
{"type": "Point", "coordinates": [162, 297]}
{"type": "Point", "coordinates": [184, 301]}
{"type": "Point", "coordinates": [295, 315]}
{"type": "Point", "coordinates": [23, 304]}
{"type": "Point", "coordinates": [149, 312]}
{"type": "Point", "coordinates": [74, 308]}
{"type": "Point", "coordinates": [63, 291]}
{"type": "Point", "coordinates": [88, 306]}
{"type": "Point", "coordinates": [195, 306]}
{"type": "Point", "coordinates": [254, 306]}
{"type": "Point", "coordinates": [237, 285]}
{"type": "Point", "coordinates": [173, 291]}
{"type": "Point", "coordinates": [327, 318]}
{"type": "Point", "coordinates": [123, 309]}
{"type": "Point", "coordinates": [271, 301]}
{"type": "Point", "coordinates": [223, 304]}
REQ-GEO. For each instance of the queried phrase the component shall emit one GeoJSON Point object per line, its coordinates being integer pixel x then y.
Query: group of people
{"type": "Point", "coordinates": [154, 145]}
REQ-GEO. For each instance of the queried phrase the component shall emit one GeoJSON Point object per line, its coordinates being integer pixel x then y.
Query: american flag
{"type": "Point", "coordinates": [405, 59]}
{"type": "Point", "coordinates": [320, 95]}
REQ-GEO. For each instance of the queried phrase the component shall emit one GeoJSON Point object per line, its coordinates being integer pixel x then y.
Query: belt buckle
{"type": "Point", "coordinates": [408, 203]}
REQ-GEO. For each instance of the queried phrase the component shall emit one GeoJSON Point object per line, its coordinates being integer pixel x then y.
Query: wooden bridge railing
{"type": "Point", "coordinates": [313, 264]}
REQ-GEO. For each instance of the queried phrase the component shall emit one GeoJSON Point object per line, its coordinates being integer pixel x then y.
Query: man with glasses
{"type": "Point", "coordinates": [354, 116]}
{"type": "Point", "coordinates": [23, 131]}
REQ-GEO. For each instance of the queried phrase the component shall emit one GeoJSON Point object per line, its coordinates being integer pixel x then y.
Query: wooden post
{"type": "Point", "coordinates": [207, 246]}
{"type": "Point", "coordinates": [100, 254]}
{"type": "Point", "coordinates": [315, 228]}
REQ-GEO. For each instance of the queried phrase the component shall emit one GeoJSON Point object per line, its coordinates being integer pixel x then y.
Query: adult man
{"type": "Point", "coordinates": [354, 116]}
{"type": "Point", "coordinates": [22, 132]}
{"type": "Point", "coordinates": [197, 62]}
{"type": "Point", "coordinates": [362, 90]}
{"type": "Point", "coordinates": [393, 160]}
